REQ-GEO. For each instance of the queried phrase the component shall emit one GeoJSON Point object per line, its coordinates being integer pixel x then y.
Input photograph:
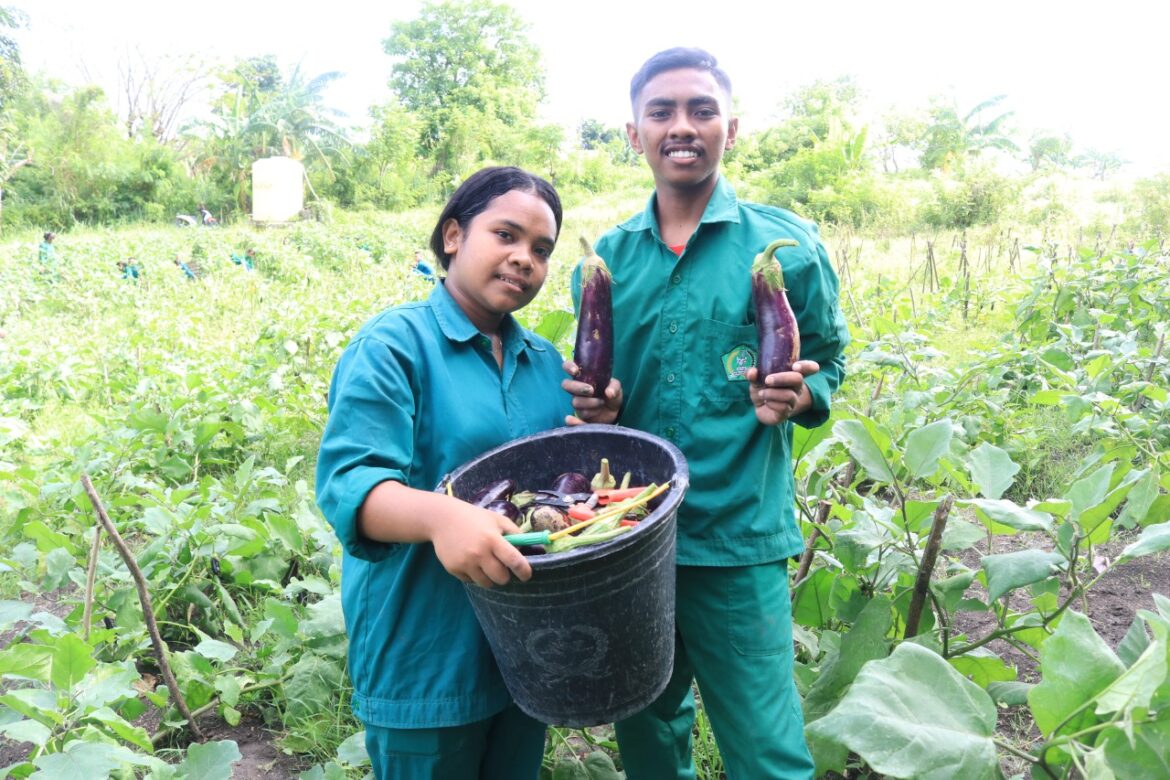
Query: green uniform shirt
{"type": "Point", "coordinates": [684, 336]}
{"type": "Point", "coordinates": [47, 254]}
{"type": "Point", "coordinates": [416, 394]}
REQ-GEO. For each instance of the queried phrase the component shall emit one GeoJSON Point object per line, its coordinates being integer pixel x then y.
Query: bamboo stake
{"type": "Point", "coordinates": [156, 639]}
{"type": "Point", "coordinates": [929, 557]}
{"type": "Point", "coordinates": [90, 579]}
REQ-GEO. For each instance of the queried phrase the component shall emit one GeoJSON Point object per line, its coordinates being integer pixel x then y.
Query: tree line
{"type": "Point", "coordinates": [467, 83]}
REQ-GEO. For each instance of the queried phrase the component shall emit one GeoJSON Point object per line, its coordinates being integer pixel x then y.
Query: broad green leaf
{"type": "Point", "coordinates": [1089, 491]}
{"type": "Point", "coordinates": [1141, 498]}
{"type": "Point", "coordinates": [12, 612]}
{"type": "Point", "coordinates": [72, 660]}
{"type": "Point", "coordinates": [211, 760]}
{"type": "Point", "coordinates": [925, 446]}
{"type": "Point", "coordinates": [864, 449]}
{"type": "Point", "coordinates": [912, 716]}
{"type": "Point", "coordinates": [1011, 694]}
{"type": "Point", "coordinates": [27, 731]}
{"type": "Point", "coordinates": [810, 605]}
{"type": "Point", "coordinates": [135, 735]}
{"type": "Point", "coordinates": [107, 684]}
{"type": "Point", "coordinates": [1010, 514]}
{"type": "Point", "coordinates": [1154, 539]}
{"type": "Point", "coordinates": [313, 682]}
{"type": "Point", "coordinates": [1134, 643]}
{"type": "Point", "coordinates": [216, 650]}
{"type": "Point", "coordinates": [1008, 571]}
{"type": "Point", "coordinates": [983, 667]}
{"type": "Point", "coordinates": [865, 641]}
{"type": "Point", "coordinates": [25, 660]}
{"type": "Point", "coordinates": [555, 325]}
{"type": "Point", "coordinates": [960, 535]}
{"type": "Point", "coordinates": [1146, 755]}
{"type": "Point", "coordinates": [1076, 664]}
{"type": "Point", "coordinates": [83, 760]}
{"type": "Point", "coordinates": [353, 750]}
{"type": "Point", "coordinates": [992, 469]}
{"type": "Point", "coordinates": [1136, 686]}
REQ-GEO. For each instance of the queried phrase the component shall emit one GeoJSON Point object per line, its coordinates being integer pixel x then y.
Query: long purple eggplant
{"type": "Point", "coordinates": [775, 320]}
{"type": "Point", "coordinates": [593, 352]}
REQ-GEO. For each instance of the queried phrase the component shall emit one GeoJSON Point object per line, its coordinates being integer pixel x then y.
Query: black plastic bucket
{"type": "Point", "coordinates": [589, 639]}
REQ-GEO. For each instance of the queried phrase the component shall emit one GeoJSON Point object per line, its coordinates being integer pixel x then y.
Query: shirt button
{"type": "Point", "coordinates": [670, 379]}
{"type": "Point", "coordinates": [677, 278]}
{"type": "Point", "coordinates": [670, 431]}
{"type": "Point", "coordinates": [673, 327]}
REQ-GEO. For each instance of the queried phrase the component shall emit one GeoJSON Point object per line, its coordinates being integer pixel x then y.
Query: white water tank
{"type": "Point", "coordinates": [278, 189]}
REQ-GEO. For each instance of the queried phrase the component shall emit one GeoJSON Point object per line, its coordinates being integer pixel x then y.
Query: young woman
{"type": "Point", "coordinates": [423, 388]}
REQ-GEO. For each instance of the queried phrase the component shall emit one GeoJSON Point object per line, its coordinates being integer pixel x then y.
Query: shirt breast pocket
{"type": "Point", "coordinates": [727, 352]}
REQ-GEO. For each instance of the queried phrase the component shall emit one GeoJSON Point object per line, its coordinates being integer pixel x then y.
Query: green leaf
{"type": "Point", "coordinates": [865, 641]}
{"type": "Point", "coordinates": [555, 325]}
{"type": "Point", "coordinates": [352, 751]}
{"type": "Point", "coordinates": [83, 760]}
{"type": "Point", "coordinates": [983, 667]}
{"type": "Point", "coordinates": [1089, 491]}
{"type": "Point", "coordinates": [1141, 498]}
{"type": "Point", "coordinates": [810, 604]}
{"type": "Point", "coordinates": [72, 660]}
{"type": "Point", "coordinates": [864, 449]}
{"type": "Point", "coordinates": [1011, 694]}
{"type": "Point", "coordinates": [1010, 514]}
{"type": "Point", "coordinates": [313, 683]}
{"type": "Point", "coordinates": [992, 469]}
{"type": "Point", "coordinates": [912, 715]}
{"type": "Point", "coordinates": [135, 735]}
{"type": "Point", "coordinates": [12, 612]}
{"type": "Point", "coordinates": [211, 760]}
{"type": "Point", "coordinates": [27, 731]}
{"type": "Point", "coordinates": [1154, 539]}
{"type": "Point", "coordinates": [1147, 754]}
{"type": "Point", "coordinates": [1134, 643]}
{"type": "Point", "coordinates": [216, 650]}
{"type": "Point", "coordinates": [1008, 571]}
{"type": "Point", "coordinates": [925, 446]}
{"type": "Point", "coordinates": [1076, 664]}
{"type": "Point", "coordinates": [1136, 686]}
{"type": "Point", "coordinates": [24, 660]}
{"type": "Point", "coordinates": [960, 535]}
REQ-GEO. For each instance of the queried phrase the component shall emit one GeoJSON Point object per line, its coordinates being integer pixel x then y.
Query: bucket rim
{"type": "Point", "coordinates": [679, 482]}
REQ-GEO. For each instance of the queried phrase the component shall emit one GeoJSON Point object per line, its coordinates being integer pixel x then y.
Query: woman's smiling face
{"type": "Point", "coordinates": [499, 263]}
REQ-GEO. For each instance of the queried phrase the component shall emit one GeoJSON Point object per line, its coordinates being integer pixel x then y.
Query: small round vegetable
{"type": "Point", "coordinates": [571, 482]}
{"type": "Point", "coordinates": [501, 488]}
{"type": "Point", "coordinates": [505, 508]}
{"type": "Point", "coordinates": [549, 518]}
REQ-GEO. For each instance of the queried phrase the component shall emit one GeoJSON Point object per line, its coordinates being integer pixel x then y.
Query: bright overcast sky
{"type": "Point", "coordinates": [1095, 71]}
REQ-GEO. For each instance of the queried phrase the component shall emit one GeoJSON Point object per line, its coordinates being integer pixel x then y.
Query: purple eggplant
{"type": "Point", "coordinates": [500, 489]}
{"type": "Point", "coordinates": [775, 320]}
{"type": "Point", "coordinates": [502, 506]}
{"type": "Point", "coordinates": [593, 352]}
{"type": "Point", "coordinates": [571, 482]}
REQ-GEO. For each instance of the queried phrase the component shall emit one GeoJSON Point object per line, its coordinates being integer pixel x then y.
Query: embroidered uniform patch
{"type": "Point", "coordinates": [737, 362]}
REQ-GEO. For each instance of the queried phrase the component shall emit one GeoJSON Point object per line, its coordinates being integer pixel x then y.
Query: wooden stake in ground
{"type": "Point", "coordinates": [160, 649]}
{"type": "Point", "coordinates": [929, 556]}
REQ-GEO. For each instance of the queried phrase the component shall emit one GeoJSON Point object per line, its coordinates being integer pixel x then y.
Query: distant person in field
{"type": "Point", "coordinates": [421, 268]}
{"type": "Point", "coordinates": [247, 260]}
{"type": "Point", "coordinates": [185, 267]}
{"type": "Point", "coordinates": [206, 216]}
{"type": "Point", "coordinates": [47, 254]}
{"type": "Point", "coordinates": [129, 268]}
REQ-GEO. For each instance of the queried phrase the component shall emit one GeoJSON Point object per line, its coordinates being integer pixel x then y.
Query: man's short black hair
{"type": "Point", "coordinates": [673, 59]}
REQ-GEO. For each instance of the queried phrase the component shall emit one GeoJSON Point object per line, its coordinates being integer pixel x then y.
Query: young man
{"type": "Point", "coordinates": [683, 322]}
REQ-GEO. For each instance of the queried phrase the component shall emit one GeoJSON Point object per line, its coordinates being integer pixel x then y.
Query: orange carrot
{"type": "Point", "coordinates": [580, 512]}
{"type": "Point", "coordinates": [612, 495]}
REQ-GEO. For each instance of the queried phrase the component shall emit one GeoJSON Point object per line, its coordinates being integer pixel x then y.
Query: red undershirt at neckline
{"type": "Point", "coordinates": [678, 250]}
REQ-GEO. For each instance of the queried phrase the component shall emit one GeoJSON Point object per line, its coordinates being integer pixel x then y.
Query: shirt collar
{"type": "Point", "coordinates": [456, 326]}
{"type": "Point", "coordinates": [722, 207]}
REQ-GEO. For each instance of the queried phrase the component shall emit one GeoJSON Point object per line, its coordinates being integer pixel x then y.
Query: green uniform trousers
{"type": "Point", "coordinates": [734, 637]}
{"type": "Point", "coordinates": [507, 746]}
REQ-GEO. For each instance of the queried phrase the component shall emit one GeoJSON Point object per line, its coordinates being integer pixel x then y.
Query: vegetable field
{"type": "Point", "coordinates": [984, 592]}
